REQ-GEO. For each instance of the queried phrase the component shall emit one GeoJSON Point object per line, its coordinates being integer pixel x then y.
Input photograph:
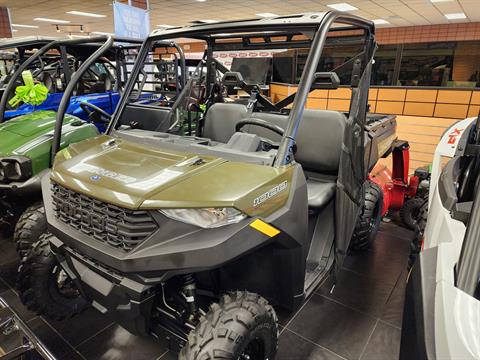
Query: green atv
{"type": "Point", "coordinates": [196, 237]}
{"type": "Point", "coordinates": [25, 150]}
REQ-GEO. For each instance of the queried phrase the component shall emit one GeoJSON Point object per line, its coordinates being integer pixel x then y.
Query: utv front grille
{"type": "Point", "coordinates": [116, 226]}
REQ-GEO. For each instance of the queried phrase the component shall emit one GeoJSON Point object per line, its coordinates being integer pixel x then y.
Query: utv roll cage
{"type": "Point", "coordinates": [79, 48]}
{"type": "Point", "coordinates": [18, 50]}
{"type": "Point", "coordinates": [291, 28]}
{"type": "Point", "coordinates": [25, 44]}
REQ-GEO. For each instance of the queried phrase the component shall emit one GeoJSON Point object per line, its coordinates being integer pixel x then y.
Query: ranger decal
{"type": "Point", "coordinates": [270, 193]}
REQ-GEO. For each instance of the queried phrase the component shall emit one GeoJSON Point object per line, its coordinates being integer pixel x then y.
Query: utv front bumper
{"type": "Point", "coordinates": [29, 186]}
{"type": "Point", "coordinates": [127, 302]}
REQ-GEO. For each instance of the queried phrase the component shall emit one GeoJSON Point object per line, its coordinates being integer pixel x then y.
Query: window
{"type": "Point", "coordinates": [427, 64]}
{"type": "Point", "coordinates": [383, 71]}
{"type": "Point", "coordinates": [466, 67]}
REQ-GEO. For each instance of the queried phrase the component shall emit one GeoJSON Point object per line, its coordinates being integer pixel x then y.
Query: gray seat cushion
{"type": "Point", "coordinates": [319, 138]}
{"type": "Point", "coordinates": [221, 119]}
{"type": "Point", "coordinates": [319, 193]}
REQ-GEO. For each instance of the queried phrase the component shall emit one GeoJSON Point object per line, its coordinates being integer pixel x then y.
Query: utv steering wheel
{"type": "Point", "coordinates": [94, 113]}
{"type": "Point", "coordinates": [259, 122]}
{"type": "Point", "coordinates": [265, 144]}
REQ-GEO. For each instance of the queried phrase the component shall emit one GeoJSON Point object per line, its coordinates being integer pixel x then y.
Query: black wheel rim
{"type": "Point", "coordinates": [254, 350]}
{"type": "Point", "coordinates": [376, 213]}
{"type": "Point", "coordinates": [62, 283]}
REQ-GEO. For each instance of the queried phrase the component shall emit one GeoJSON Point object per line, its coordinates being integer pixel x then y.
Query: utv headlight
{"type": "Point", "coordinates": [15, 168]}
{"type": "Point", "coordinates": [206, 218]}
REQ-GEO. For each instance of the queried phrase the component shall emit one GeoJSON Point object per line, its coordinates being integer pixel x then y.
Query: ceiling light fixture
{"type": "Point", "coordinates": [78, 36]}
{"type": "Point", "coordinates": [201, 0]}
{"type": "Point", "coordinates": [342, 7]}
{"type": "Point", "coordinates": [266, 15]}
{"type": "Point", "coordinates": [81, 13]}
{"type": "Point", "coordinates": [25, 26]}
{"type": "Point", "coordinates": [208, 21]}
{"type": "Point", "coordinates": [456, 16]}
{"type": "Point", "coordinates": [101, 33]}
{"type": "Point", "coordinates": [52, 20]}
{"type": "Point", "coordinates": [166, 26]}
{"type": "Point", "coordinates": [380, 22]}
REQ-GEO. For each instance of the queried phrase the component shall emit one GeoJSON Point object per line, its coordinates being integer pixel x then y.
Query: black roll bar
{"type": "Point", "coordinates": [11, 83]}
{"type": "Point", "coordinates": [58, 44]}
{"type": "Point", "coordinates": [137, 68]}
{"type": "Point", "coordinates": [62, 108]}
{"type": "Point", "coordinates": [285, 150]}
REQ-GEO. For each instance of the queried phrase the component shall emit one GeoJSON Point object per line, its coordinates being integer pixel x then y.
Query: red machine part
{"type": "Point", "coordinates": [395, 184]}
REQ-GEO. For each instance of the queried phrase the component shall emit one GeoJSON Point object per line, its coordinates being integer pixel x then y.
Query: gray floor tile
{"type": "Point", "coordinates": [384, 343]}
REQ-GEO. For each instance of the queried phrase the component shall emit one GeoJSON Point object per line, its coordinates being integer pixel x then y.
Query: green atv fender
{"type": "Point", "coordinates": [31, 135]}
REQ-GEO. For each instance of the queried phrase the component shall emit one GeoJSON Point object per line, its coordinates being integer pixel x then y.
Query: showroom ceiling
{"type": "Point", "coordinates": [181, 12]}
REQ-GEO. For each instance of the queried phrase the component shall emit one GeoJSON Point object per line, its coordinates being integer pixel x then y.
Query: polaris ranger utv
{"type": "Point", "coordinates": [192, 237]}
{"type": "Point", "coordinates": [26, 140]}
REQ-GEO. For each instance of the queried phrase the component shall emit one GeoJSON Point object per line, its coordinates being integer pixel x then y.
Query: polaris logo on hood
{"type": "Point", "coordinates": [98, 173]}
{"type": "Point", "coordinates": [271, 193]}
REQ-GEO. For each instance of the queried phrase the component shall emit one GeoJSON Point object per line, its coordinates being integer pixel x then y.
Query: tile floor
{"type": "Point", "coordinates": [360, 319]}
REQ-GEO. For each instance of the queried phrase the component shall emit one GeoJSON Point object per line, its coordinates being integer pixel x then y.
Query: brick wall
{"type": "Point", "coordinates": [5, 29]}
{"type": "Point", "coordinates": [429, 33]}
{"type": "Point", "coordinates": [466, 60]}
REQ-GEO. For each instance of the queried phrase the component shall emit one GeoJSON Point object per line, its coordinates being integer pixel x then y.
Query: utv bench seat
{"type": "Point", "coordinates": [319, 142]}
{"type": "Point", "coordinates": [319, 193]}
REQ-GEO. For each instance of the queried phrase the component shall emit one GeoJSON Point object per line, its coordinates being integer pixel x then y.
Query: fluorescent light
{"type": "Point", "coordinates": [54, 21]}
{"type": "Point", "coordinates": [25, 26]}
{"type": "Point", "coordinates": [380, 21]}
{"type": "Point", "coordinates": [342, 7]}
{"type": "Point", "coordinates": [266, 15]}
{"type": "Point", "coordinates": [78, 36]}
{"type": "Point", "coordinates": [209, 21]}
{"type": "Point", "coordinates": [166, 26]}
{"type": "Point", "coordinates": [101, 33]}
{"type": "Point", "coordinates": [455, 16]}
{"type": "Point", "coordinates": [81, 13]}
{"type": "Point", "coordinates": [201, 0]}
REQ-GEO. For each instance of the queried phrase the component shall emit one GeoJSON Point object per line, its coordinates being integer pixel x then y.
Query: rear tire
{"type": "Point", "coordinates": [242, 326]}
{"type": "Point", "coordinates": [410, 211]}
{"type": "Point", "coordinates": [43, 286]}
{"type": "Point", "coordinates": [417, 242]}
{"type": "Point", "coordinates": [369, 220]}
{"type": "Point", "coordinates": [31, 225]}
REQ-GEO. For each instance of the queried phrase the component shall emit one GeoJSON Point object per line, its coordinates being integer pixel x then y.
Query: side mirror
{"type": "Point", "coordinates": [326, 80]}
{"type": "Point", "coordinates": [232, 78]}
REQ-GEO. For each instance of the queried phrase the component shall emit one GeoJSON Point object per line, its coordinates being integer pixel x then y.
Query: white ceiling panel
{"type": "Point", "coordinates": [181, 12]}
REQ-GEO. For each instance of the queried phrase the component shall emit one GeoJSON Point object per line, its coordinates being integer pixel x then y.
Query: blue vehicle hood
{"type": "Point", "coordinates": [106, 101]}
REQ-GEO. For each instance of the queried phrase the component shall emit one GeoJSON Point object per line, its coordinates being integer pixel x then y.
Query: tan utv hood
{"type": "Point", "coordinates": [136, 176]}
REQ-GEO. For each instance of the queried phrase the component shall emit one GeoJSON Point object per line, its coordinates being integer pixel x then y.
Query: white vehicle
{"type": "Point", "coordinates": [442, 302]}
